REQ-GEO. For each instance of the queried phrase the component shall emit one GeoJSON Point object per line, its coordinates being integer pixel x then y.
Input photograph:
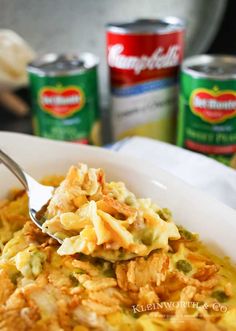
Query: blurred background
{"type": "Point", "coordinates": [78, 25]}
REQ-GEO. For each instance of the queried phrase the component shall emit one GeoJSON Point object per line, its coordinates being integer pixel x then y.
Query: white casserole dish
{"type": "Point", "coordinates": [198, 212]}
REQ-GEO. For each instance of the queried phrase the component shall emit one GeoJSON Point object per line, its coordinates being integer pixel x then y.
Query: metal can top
{"type": "Point", "coordinates": [221, 67]}
{"type": "Point", "coordinates": [53, 64]}
{"type": "Point", "coordinates": [147, 26]}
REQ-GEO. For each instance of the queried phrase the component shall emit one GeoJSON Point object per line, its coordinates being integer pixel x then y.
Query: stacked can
{"type": "Point", "coordinates": [65, 97]}
{"type": "Point", "coordinates": [207, 109]}
{"type": "Point", "coordinates": [144, 58]}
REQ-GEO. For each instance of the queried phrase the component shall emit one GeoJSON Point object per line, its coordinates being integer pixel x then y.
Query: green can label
{"type": "Point", "coordinates": [65, 107]}
{"type": "Point", "coordinates": [207, 117]}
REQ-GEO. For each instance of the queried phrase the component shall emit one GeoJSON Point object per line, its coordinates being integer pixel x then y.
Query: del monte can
{"type": "Point", "coordinates": [143, 58]}
{"type": "Point", "coordinates": [207, 108]}
{"type": "Point", "coordinates": [65, 97]}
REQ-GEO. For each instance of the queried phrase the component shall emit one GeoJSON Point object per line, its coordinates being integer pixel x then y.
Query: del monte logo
{"type": "Point", "coordinates": [61, 102]}
{"type": "Point", "coordinates": [213, 106]}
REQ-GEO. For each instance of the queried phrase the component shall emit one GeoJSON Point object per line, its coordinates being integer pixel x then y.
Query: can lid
{"type": "Point", "coordinates": [147, 26]}
{"type": "Point", "coordinates": [219, 67]}
{"type": "Point", "coordinates": [53, 64]}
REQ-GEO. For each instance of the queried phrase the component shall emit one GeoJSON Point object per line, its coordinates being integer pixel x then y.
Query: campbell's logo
{"type": "Point", "coordinates": [159, 59]}
{"type": "Point", "coordinates": [213, 106]}
{"type": "Point", "coordinates": [61, 102]}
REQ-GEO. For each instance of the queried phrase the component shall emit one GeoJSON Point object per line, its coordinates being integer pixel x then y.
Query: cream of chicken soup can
{"type": "Point", "coordinates": [143, 58]}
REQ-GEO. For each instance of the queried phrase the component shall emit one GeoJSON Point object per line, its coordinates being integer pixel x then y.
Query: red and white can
{"type": "Point", "coordinates": [143, 58]}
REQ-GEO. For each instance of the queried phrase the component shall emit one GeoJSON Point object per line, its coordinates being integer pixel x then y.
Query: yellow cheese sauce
{"type": "Point", "coordinates": [179, 287]}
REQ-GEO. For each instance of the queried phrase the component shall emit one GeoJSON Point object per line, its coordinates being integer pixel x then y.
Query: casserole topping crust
{"type": "Point", "coordinates": [172, 282]}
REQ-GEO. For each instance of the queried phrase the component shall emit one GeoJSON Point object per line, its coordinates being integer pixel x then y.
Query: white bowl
{"type": "Point", "coordinates": [195, 210]}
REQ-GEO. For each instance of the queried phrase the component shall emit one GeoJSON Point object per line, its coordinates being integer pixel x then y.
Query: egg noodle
{"type": "Point", "coordinates": [123, 264]}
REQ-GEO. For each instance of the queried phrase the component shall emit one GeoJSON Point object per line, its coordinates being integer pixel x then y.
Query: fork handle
{"type": "Point", "coordinates": [14, 168]}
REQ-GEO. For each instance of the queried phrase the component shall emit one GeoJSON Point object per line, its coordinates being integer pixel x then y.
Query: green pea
{"type": "Point", "coordinates": [147, 237]}
{"type": "Point", "coordinates": [220, 296]}
{"type": "Point", "coordinates": [74, 280]}
{"type": "Point", "coordinates": [165, 214]}
{"type": "Point", "coordinates": [186, 234]}
{"type": "Point", "coordinates": [184, 266]}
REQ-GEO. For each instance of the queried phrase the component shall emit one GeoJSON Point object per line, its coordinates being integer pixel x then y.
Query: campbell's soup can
{"type": "Point", "coordinates": [65, 97]}
{"type": "Point", "coordinates": [207, 107]}
{"type": "Point", "coordinates": [143, 58]}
